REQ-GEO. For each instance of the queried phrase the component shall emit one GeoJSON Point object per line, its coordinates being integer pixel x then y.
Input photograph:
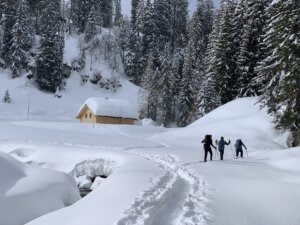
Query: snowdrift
{"type": "Point", "coordinates": [241, 118]}
{"type": "Point", "coordinates": [23, 186]}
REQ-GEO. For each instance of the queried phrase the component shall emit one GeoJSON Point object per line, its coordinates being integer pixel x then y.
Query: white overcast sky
{"type": "Point", "coordinates": [126, 5]}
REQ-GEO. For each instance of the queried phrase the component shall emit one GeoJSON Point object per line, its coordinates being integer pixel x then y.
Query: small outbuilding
{"type": "Point", "coordinates": [107, 111]}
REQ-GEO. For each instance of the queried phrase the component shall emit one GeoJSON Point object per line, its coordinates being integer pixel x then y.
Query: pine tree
{"type": "Point", "coordinates": [147, 30]}
{"type": "Point", "coordinates": [106, 13]}
{"type": "Point", "coordinates": [162, 20]}
{"type": "Point", "coordinates": [208, 97]}
{"type": "Point", "coordinates": [123, 37]}
{"type": "Point", "coordinates": [188, 89]}
{"type": "Point", "coordinates": [193, 69]}
{"type": "Point", "coordinates": [80, 11]}
{"type": "Point", "coordinates": [250, 52]}
{"type": "Point", "coordinates": [20, 38]}
{"type": "Point", "coordinates": [9, 12]}
{"type": "Point", "coordinates": [149, 84]}
{"type": "Point", "coordinates": [91, 25]}
{"type": "Point", "coordinates": [118, 17]}
{"type": "Point", "coordinates": [279, 70]}
{"type": "Point", "coordinates": [134, 13]}
{"type": "Point", "coordinates": [179, 23]}
{"type": "Point", "coordinates": [50, 55]}
{"type": "Point", "coordinates": [132, 63]}
{"type": "Point", "coordinates": [165, 88]}
{"type": "Point", "coordinates": [6, 98]}
{"type": "Point", "coordinates": [224, 66]}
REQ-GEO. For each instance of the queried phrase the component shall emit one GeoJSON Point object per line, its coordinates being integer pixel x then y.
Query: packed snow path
{"type": "Point", "coordinates": [178, 197]}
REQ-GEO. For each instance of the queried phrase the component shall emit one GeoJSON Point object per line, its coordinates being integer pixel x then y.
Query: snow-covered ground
{"type": "Point", "coordinates": [157, 176]}
{"type": "Point", "coordinates": [28, 192]}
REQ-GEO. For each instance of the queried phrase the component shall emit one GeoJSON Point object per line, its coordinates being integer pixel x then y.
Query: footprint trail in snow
{"type": "Point", "coordinates": [175, 198]}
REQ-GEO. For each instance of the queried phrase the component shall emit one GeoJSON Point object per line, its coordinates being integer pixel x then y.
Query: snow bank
{"type": "Point", "coordinates": [111, 107]}
{"type": "Point", "coordinates": [286, 159]}
{"type": "Point", "coordinates": [41, 189]}
{"type": "Point", "coordinates": [94, 168]}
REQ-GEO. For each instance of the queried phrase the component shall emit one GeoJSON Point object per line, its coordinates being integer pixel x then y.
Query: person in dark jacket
{"type": "Point", "coordinates": [207, 147]}
{"type": "Point", "coordinates": [239, 147]}
{"type": "Point", "coordinates": [221, 146]}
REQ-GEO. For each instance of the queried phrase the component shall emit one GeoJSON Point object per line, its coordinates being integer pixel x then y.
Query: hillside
{"type": "Point", "coordinates": [241, 118]}
{"type": "Point", "coordinates": [45, 106]}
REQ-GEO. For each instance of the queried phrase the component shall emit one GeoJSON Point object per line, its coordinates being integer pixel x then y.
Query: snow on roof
{"type": "Point", "coordinates": [110, 107]}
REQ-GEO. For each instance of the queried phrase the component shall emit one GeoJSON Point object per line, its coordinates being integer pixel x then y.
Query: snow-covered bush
{"type": "Point", "coordinates": [96, 78]}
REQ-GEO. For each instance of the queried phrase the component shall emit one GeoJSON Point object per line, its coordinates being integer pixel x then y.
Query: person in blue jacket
{"type": "Point", "coordinates": [221, 147]}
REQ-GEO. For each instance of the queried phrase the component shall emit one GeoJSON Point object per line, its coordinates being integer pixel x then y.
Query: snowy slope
{"type": "Point", "coordinates": [45, 106]}
{"type": "Point", "coordinates": [239, 119]}
{"type": "Point", "coordinates": [29, 192]}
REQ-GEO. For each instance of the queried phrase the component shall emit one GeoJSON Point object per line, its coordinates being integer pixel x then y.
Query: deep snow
{"type": "Point", "coordinates": [27, 192]}
{"type": "Point", "coordinates": [157, 175]}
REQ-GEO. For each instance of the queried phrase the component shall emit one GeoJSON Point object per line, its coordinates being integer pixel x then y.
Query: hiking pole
{"type": "Point", "coordinates": [247, 152]}
{"type": "Point", "coordinates": [232, 151]}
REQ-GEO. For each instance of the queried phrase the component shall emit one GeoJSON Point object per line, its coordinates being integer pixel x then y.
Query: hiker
{"type": "Point", "coordinates": [207, 147]}
{"type": "Point", "coordinates": [239, 147]}
{"type": "Point", "coordinates": [221, 146]}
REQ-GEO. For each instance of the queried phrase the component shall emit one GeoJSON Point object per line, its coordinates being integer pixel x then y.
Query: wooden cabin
{"type": "Point", "coordinates": [107, 111]}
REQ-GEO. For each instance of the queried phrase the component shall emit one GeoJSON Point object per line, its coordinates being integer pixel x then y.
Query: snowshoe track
{"type": "Point", "coordinates": [149, 207]}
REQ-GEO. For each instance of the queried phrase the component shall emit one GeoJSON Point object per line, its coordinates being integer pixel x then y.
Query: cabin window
{"type": "Point", "coordinates": [90, 115]}
{"type": "Point", "coordinates": [86, 115]}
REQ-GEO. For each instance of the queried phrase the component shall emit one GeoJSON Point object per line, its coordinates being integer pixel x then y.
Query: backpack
{"type": "Point", "coordinates": [238, 144]}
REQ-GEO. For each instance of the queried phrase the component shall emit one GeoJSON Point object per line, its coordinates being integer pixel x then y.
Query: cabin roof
{"type": "Point", "coordinates": [109, 107]}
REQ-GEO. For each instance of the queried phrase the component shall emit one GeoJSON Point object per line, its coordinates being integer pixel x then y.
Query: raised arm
{"type": "Point", "coordinates": [244, 145]}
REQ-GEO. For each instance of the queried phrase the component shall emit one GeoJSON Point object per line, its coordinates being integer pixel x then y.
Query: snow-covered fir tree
{"type": "Point", "coordinates": [179, 23]}
{"type": "Point", "coordinates": [162, 20]}
{"type": "Point", "coordinates": [132, 63]}
{"type": "Point", "coordinates": [20, 39]}
{"type": "Point", "coordinates": [165, 85]}
{"type": "Point", "coordinates": [50, 53]}
{"type": "Point", "coordinates": [106, 12]}
{"type": "Point", "coordinates": [91, 25]}
{"type": "Point", "coordinates": [193, 69]}
{"type": "Point", "coordinates": [118, 16]}
{"type": "Point", "coordinates": [9, 12]}
{"type": "Point", "coordinates": [147, 30]}
{"type": "Point", "coordinates": [79, 14]}
{"type": "Point", "coordinates": [279, 70]}
{"type": "Point", "coordinates": [250, 52]}
{"type": "Point", "coordinates": [224, 66]}
{"type": "Point", "coordinates": [208, 97]}
{"type": "Point", "coordinates": [135, 13]}
{"type": "Point", "coordinates": [6, 98]}
{"type": "Point", "coordinates": [149, 84]}
{"type": "Point", "coordinates": [188, 89]}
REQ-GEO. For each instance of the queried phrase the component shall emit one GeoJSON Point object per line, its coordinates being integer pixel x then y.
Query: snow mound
{"type": "Point", "coordinates": [148, 122]}
{"type": "Point", "coordinates": [41, 189]}
{"type": "Point", "coordinates": [94, 168]}
{"type": "Point", "coordinates": [22, 152]}
{"type": "Point", "coordinates": [110, 107]}
{"type": "Point", "coordinates": [238, 119]}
